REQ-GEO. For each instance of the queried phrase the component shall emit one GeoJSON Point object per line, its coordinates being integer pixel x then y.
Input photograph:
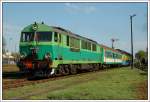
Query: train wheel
{"type": "Point", "coordinates": [95, 67]}
{"type": "Point", "coordinates": [73, 69]}
{"type": "Point", "coordinates": [66, 68]}
{"type": "Point", "coordinates": [57, 72]}
{"type": "Point", "coordinates": [62, 70]}
{"type": "Point", "coordinates": [91, 67]}
{"type": "Point", "coordinates": [100, 66]}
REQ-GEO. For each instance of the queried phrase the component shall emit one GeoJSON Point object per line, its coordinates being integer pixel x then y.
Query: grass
{"type": "Point", "coordinates": [111, 84]}
{"type": "Point", "coordinates": [10, 68]}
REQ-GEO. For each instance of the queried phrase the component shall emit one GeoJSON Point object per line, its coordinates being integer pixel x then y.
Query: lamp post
{"type": "Point", "coordinates": [132, 39]}
{"type": "Point", "coordinates": [113, 40]}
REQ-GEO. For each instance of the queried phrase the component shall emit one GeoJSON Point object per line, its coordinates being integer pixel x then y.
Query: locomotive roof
{"type": "Point", "coordinates": [124, 52]}
{"type": "Point", "coordinates": [62, 30]}
{"type": "Point", "coordinates": [40, 28]}
{"type": "Point", "coordinates": [44, 27]}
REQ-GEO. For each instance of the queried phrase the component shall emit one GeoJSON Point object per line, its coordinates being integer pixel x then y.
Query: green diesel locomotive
{"type": "Point", "coordinates": [49, 50]}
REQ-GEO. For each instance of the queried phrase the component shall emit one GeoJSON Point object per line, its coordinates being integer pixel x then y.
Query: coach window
{"type": "Point", "coordinates": [108, 54]}
{"type": "Point", "coordinates": [93, 47]}
{"type": "Point", "coordinates": [86, 45]}
{"type": "Point", "coordinates": [113, 55]}
{"type": "Point", "coordinates": [67, 40]}
{"type": "Point", "coordinates": [89, 46]}
{"type": "Point", "coordinates": [60, 38]}
{"type": "Point", "coordinates": [71, 42]}
{"type": "Point", "coordinates": [120, 56]}
{"type": "Point", "coordinates": [55, 36]}
{"type": "Point", "coordinates": [83, 44]}
{"type": "Point", "coordinates": [116, 56]}
{"type": "Point", "coordinates": [77, 43]}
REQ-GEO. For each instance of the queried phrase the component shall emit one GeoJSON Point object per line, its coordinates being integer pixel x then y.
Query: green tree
{"type": "Point", "coordinates": [142, 60]}
{"type": "Point", "coordinates": [140, 55]}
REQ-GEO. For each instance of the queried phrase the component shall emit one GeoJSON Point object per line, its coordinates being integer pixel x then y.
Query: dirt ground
{"type": "Point", "coordinates": [10, 68]}
{"type": "Point", "coordinates": [142, 90]}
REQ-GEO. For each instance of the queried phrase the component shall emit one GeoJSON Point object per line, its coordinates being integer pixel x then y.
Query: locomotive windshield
{"type": "Point", "coordinates": [38, 36]}
{"type": "Point", "coordinates": [27, 36]}
{"type": "Point", "coordinates": [43, 36]}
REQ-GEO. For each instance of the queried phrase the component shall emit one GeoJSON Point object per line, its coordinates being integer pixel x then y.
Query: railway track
{"type": "Point", "coordinates": [23, 82]}
{"type": "Point", "coordinates": [14, 83]}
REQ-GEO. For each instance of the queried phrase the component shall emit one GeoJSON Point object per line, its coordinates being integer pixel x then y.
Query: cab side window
{"type": "Point", "coordinates": [55, 36]}
{"type": "Point", "coordinates": [60, 38]}
{"type": "Point", "coordinates": [67, 40]}
{"type": "Point", "coordinates": [93, 47]}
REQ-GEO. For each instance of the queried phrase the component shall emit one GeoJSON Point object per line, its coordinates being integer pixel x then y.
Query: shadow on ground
{"type": "Point", "coordinates": [13, 75]}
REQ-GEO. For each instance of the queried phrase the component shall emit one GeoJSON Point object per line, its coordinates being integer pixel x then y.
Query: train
{"type": "Point", "coordinates": [50, 51]}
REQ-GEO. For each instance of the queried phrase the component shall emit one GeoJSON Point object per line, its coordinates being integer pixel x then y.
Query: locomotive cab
{"type": "Point", "coordinates": [35, 56]}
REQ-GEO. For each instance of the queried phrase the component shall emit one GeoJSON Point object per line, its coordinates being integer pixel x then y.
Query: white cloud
{"type": "Point", "coordinates": [74, 8]}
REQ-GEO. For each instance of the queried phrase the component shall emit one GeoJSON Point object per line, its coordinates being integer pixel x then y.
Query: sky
{"type": "Point", "coordinates": [78, 0]}
{"type": "Point", "coordinates": [98, 21]}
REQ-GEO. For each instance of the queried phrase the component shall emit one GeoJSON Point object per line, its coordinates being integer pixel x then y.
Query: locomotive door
{"type": "Point", "coordinates": [60, 50]}
{"type": "Point", "coordinates": [58, 40]}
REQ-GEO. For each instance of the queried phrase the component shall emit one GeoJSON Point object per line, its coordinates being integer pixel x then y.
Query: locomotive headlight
{"type": "Point", "coordinates": [23, 55]}
{"type": "Point", "coordinates": [35, 26]}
